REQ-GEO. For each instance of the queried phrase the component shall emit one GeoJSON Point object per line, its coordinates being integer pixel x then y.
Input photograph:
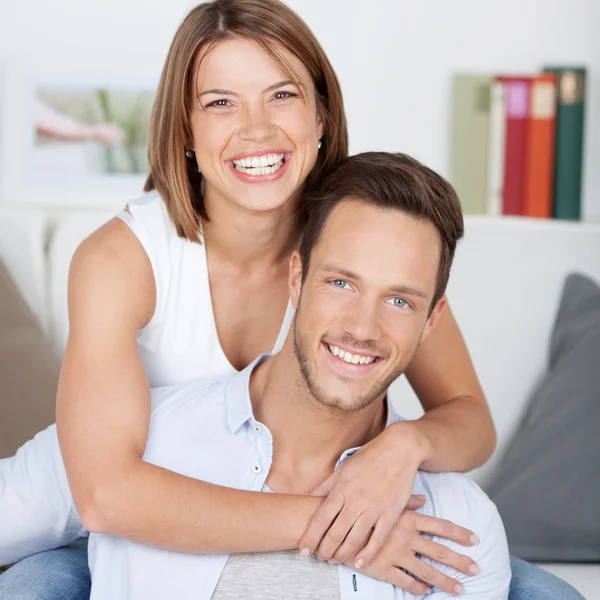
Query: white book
{"type": "Point", "coordinates": [496, 149]}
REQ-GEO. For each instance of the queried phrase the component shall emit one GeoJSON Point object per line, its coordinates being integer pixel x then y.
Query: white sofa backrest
{"type": "Point", "coordinates": [22, 245]}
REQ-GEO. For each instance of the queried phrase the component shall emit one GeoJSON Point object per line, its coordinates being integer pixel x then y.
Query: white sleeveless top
{"type": "Point", "coordinates": [180, 343]}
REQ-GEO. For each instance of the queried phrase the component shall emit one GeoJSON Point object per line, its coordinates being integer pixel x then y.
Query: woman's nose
{"type": "Point", "coordinates": [256, 125]}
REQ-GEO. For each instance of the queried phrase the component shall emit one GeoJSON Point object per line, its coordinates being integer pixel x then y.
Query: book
{"type": "Point", "coordinates": [470, 133]}
{"type": "Point", "coordinates": [496, 148]}
{"type": "Point", "coordinates": [517, 110]}
{"type": "Point", "coordinates": [539, 151]}
{"type": "Point", "coordinates": [569, 141]}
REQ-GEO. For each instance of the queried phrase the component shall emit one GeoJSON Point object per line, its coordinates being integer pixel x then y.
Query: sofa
{"type": "Point", "coordinates": [504, 289]}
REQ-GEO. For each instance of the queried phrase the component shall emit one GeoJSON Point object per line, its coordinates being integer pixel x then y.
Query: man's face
{"type": "Point", "coordinates": [364, 306]}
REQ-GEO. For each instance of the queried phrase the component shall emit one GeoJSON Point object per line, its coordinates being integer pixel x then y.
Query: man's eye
{"type": "Point", "coordinates": [339, 283]}
{"type": "Point", "coordinates": [399, 302]}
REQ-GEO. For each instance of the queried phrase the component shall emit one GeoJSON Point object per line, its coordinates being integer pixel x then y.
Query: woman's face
{"type": "Point", "coordinates": [255, 132]}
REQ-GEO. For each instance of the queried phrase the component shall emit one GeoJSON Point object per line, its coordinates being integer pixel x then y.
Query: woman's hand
{"type": "Point", "coordinates": [398, 561]}
{"type": "Point", "coordinates": [365, 496]}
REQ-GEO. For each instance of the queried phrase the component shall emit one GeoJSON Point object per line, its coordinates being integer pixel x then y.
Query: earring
{"type": "Point", "coordinates": [189, 153]}
{"type": "Point", "coordinates": [319, 144]}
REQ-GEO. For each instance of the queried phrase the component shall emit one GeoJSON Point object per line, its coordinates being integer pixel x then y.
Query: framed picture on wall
{"type": "Point", "coordinates": [74, 134]}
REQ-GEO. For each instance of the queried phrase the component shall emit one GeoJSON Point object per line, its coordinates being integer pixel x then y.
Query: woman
{"type": "Point", "coordinates": [192, 280]}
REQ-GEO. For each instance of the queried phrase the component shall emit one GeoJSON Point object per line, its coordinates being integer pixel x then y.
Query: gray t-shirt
{"type": "Point", "coordinates": [277, 576]}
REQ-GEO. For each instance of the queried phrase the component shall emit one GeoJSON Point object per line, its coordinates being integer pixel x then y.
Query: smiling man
{"type": "Point", "coordinates": [367, 285]}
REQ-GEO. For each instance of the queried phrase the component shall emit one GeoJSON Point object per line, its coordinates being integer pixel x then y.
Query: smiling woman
{"type": "Point", "coordinates": [191, 280]}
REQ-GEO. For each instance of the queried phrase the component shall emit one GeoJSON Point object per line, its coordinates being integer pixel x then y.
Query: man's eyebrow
{"type": "Point", "coordinates": [409, 291]}
{"type": "Point", "coordinates": [275, 86]}
{"type": "Point", "coordinates": [396, 289]}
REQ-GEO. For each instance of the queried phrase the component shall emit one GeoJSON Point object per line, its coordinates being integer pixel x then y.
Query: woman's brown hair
{"type": "Point", "coordinates": [269, 23]}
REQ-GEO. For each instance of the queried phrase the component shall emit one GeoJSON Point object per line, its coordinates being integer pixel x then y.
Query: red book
{"type": "Point", "coordinates": [517, 109]}
{"type": "Point", "coordinates": [539, 160]}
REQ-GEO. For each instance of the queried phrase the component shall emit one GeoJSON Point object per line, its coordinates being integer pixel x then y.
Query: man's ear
{"type": "Point", "coordinates": [295, 278]}
{"type": "Point", "coordinates": [433, 318]}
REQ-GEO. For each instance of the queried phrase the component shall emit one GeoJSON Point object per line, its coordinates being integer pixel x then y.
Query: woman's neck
{"type": "Point", "coordinates": [244, 237]}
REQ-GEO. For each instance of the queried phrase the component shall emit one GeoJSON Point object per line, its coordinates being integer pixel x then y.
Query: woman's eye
{"type": "Point", "coordinates": [399, 302]}
{"type": "Point", "coordinates": [284, 95]}
{"type": "Point", "coordinates": [219, 103]}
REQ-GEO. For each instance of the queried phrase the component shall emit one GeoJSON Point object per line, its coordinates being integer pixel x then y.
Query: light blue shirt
{"type": "Point", "coordinates": [206, 430]}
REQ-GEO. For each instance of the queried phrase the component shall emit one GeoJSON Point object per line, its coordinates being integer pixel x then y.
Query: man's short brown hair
{"type": "Point", "coordinates": [392, 182]}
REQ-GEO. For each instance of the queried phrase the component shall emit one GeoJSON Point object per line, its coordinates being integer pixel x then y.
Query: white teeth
{"type": "Point", "coordinates": [256, 170]}
{"type": "Point", "coordinates": [355, 359]}
{"type": "Point", "coordinates": [254, 164]}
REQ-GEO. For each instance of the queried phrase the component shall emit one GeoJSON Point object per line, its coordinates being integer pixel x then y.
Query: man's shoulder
{"type": "Point", "coordinates": [453, 496]}
{"type": "Point", "coordinates": [456, 498]}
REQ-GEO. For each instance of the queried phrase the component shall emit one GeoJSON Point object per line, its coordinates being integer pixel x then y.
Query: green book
{"type": "Point", "coordinates": [471, 96]}
{"type": "Point", "coordinates": [569, 142]}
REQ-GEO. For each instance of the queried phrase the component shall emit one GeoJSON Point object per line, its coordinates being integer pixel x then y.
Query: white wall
{"type": "Point", "coordinates": [394, 57]}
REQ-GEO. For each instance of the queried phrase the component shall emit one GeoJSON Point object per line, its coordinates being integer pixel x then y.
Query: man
{"type": "Point", "coordinates": [367, 284]}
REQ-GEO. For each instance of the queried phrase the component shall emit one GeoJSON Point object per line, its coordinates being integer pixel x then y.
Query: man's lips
{"type": "Point", "coordinates": [350, 362]}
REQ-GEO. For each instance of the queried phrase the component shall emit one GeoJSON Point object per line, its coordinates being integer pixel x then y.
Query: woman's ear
{"type": "Point", "coordinates": [295, 278]}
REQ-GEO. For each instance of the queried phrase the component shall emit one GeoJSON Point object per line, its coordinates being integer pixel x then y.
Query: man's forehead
{"type": "Point", "coordinates": [369, 240]}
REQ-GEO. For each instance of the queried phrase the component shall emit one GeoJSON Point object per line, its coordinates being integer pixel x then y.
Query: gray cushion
{"type": "Point", "coordinates": [547, 487]}
{"type": "Point", "coordinates": [28, 371]}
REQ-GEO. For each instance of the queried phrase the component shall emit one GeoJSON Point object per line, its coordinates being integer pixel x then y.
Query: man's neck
{"type": "Point", "coordinates": [308, 438]}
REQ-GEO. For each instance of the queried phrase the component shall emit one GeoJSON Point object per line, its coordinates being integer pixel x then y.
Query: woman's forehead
{"type": "Point", "coordinates": [237, 64]}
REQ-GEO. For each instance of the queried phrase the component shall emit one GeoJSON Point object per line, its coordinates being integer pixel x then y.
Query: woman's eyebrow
{"type": "Point", "coordinates": [283, 84]}
{"type": "Point", "coordinates": [224, 92]}
{"type": "Point", "coordinates": [218, 92]}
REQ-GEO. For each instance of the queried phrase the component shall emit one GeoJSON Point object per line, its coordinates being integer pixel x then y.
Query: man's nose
{"type": "Point", "coordinates": [362, 320]}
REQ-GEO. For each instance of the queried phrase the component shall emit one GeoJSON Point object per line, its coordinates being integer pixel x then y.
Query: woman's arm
{"type": "Point", "coordinates": [456, 433]}
{"type": "Point", "coordinates": [103, 416]}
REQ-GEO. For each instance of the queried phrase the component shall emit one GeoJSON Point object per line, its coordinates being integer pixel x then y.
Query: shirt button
{"type": "Point", "coordinates": [257, 428]}
{"type": "Point", "coordinates": [256, 468]}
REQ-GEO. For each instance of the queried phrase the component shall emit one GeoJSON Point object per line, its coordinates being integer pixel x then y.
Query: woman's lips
{"type": "Point", "coordinates": [251, 178]}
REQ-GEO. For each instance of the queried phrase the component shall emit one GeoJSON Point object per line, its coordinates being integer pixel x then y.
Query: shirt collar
{"type": "Point", "coordinates": [237, 395]}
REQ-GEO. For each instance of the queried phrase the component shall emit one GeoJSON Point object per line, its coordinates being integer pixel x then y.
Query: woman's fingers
{"type": "Point", "coordinates": [320, 523]}
{"type": "Point", "coordinates": [378, 537]}
{"type": "Point", "coordinates": [444, 555]}
{"type": "Point", "coordinates": [356, 539]}
{"type": "Point", "coordinates": [429, 574]}
{"type": "Point", "coordinates": [415, 502]}
{"type": "Point", "coordinates": [405, 582]}
{"type": "Point", "coordinates": [446, 529]}
{"type": "Point", "coordinates": [339, 533]}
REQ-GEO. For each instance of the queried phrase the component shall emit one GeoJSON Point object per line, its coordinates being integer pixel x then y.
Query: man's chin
{"type": "Point", "coordinates": [341, 401]}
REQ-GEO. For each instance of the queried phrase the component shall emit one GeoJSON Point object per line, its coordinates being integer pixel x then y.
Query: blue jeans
{"type": "Point", "coordinates": [63, 575]}
{"type": "Point", "coordinates": [532, 583]}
